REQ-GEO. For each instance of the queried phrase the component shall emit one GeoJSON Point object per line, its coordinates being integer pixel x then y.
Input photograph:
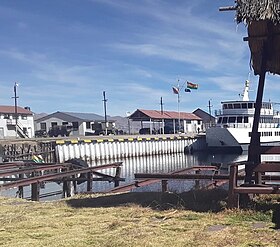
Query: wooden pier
{"type": "Point", "coordinates": [19, 174]}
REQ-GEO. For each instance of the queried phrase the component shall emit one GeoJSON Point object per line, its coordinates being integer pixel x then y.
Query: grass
{"type": "Point", "coordinates": [136, 219]}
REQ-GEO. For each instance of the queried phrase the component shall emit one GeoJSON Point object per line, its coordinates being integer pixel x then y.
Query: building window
{"type": "Point", "coordinates": [75, 125]}
{"type": "Point", "coordinates": [24, 117]}
{"type": "Point", "coordinates": [53, 124]}
{"type": "Point", "coordinates": [88, 125]}
{"type": "Point", "coordinates": [6, 116]}
{"type": "Point", "coordinates": [43, 126]}
{"type": "Point", "coordinates": [64, 123]}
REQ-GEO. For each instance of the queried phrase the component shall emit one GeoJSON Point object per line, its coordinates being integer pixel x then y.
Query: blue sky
{"type": "Point", "coordinates": [65, 53]}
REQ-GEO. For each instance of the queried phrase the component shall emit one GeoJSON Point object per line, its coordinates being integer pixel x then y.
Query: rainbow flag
{"type": "Point", "coordinates": [191, 85]}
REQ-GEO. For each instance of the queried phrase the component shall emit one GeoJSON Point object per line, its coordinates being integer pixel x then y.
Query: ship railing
{"type": "Point", "coordinates": [236, 125]}
{"type": "Point", "coordinates": [269, 125]}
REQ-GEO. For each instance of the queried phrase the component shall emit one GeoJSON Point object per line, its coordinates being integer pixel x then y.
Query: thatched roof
{"type": "Point", "coordinates": [263, 20]}
{"type": "Point", "coordinates": [255, 10]}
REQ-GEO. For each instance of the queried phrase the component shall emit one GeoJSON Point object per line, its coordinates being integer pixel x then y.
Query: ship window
{"type": "Point", "coordinates": [225, 106]}
{"type": "Point", "coordinates": [236, 106]}
{"type": "Point", "coordinates": [229, 106]}
{"type": "Point", "coordinates": [250, 105]}
{"type": "Point", "coordinates": [245, 119]}
{"type": "Point", "coordinates": [244, 105]}
{"type": "Point", "coordinates": [219, 120]}
{"type": "Point", "coordinates": [250, 133]}
{"type": "Point", "coordinates": [231, 119]}
{"type": "Point", "coordinates": [239, 119]}
{"type": "Point", "coordinates": [225, 119]}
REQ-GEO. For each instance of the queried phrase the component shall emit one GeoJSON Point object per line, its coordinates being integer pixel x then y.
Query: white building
{"type": "Point", "coordinates": [80, 123]}
{"type": "Point", "coordinates": [170, 121]}
{"type": "Point", "coordinates": [12, 124]}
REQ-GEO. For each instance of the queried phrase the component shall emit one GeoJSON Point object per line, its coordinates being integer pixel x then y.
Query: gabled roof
{"type": "Point", "coordinates": [11, 110]}
{"type": "Point", "coordinates": [74, 116]}
{"type": "Point", "coordinates": [146, 115]}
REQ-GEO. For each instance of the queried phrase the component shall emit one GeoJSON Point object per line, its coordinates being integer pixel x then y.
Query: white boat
{"type": "Point", "coordinates": [233, 128]}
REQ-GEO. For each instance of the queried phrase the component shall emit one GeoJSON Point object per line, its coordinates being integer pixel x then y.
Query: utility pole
{"type": "Point", "coordinates": [105, 111]}
{"type": "Point", "coordinates": [162, 120]}
{"type": "Point", "coordinates": [209, 107]}
{"type": "Point", "coordinates": [16, 110]}
{"type": "Point", "coordinates": [128, 122]}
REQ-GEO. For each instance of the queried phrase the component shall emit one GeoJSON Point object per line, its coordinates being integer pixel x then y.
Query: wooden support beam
{"type": "Point", "coordinates": [228, 8]}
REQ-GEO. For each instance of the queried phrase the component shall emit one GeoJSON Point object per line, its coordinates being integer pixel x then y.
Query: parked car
{"type": "Point", "coordinates": [41, 133]}
{"type": "Point", "coordinates": [146, 131]}
{"type": "Point", "coordinates": [60, 130]}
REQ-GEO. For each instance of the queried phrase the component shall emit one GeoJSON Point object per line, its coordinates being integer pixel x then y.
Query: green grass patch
{"type": "Point", "coordinates": [129, 219]}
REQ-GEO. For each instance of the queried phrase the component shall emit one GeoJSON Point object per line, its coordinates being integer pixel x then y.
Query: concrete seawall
{"type": "Point", "coordinates": [106, 148]}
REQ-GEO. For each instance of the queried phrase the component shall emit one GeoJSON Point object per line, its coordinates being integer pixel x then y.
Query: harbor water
{"type": "Point", "coordinates": [165, 163]}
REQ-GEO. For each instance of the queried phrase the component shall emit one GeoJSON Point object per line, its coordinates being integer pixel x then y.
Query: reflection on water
{"type": "Point", "coordinates": [152, 164]}
{"type": "Point", "coordinates": [161, 163]}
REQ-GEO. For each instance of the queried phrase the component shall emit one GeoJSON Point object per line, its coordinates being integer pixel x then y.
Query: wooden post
{"type": "Point", "coordinates": [74, 184]}
{"type": "Point", "coordinates": [233, 200]}
{"type": "Point", "coordinates": [117, 176]}
{"type": "Point", "coordinates": [254, 156]}
{"type": "Point", "coordinates": [66, 188]}
{"type": "Point", "coordinates": [20, 188]}
{"type": "Point", "coordinates": [197, 184]}
{"type": "Point", "coordinates": [35, 189]}
{"type": "Point", "coordinates": [89, 181]}
{"type": "Point", "coordinates": [164, 184]}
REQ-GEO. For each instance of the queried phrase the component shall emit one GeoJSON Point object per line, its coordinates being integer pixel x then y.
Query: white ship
{"type": "Point", "coordinates": [235, 121]}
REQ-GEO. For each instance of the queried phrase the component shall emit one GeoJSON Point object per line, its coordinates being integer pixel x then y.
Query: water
{"type": "Point", "coordinates": [150, 164]}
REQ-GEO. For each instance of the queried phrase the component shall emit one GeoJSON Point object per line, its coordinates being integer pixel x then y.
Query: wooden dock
{"type": "Point", "coordinates": [27, 173]}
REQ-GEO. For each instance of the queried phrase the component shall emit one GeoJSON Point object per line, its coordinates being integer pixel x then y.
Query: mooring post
{"type": "Point", "coordinates": [117, 176]}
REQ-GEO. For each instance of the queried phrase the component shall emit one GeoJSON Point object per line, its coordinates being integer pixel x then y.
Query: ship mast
{"type": "Point", "coordinates": [246, 91]}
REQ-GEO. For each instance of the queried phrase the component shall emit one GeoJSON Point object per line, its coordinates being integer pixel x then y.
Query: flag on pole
{"type": "Point", "coordinates": [191, 85]}
{"type": "Point", "coordinates": [187, 90]}
{"type": "Point", "coordinates": [175, 90]}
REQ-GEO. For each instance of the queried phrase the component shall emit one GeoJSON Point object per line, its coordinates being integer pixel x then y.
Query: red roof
{"type": "Point", "coordinates": [153, 114]}
{"type": "Point", "coordinates": [11, 109]}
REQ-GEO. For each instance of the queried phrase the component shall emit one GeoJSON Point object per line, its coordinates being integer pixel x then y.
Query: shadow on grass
{"type": "Point", "coordinates": [200, 201]}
